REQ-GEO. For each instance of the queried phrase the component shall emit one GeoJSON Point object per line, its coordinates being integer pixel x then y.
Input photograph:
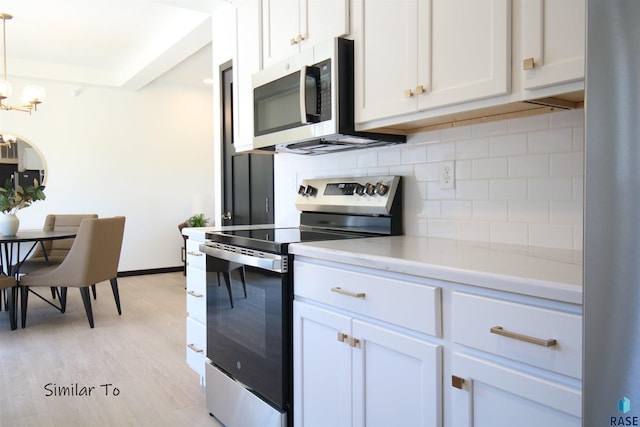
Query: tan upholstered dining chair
{"type": "Point", "coordinates": [93, 258]}
{"type": "Point", "coordinates": [8, 287]}
{"type": "Point", "coordinates": [55, 250]}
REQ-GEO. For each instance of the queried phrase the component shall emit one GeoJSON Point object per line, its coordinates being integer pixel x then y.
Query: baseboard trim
{"type": "Point", "coordinates": [150, 271]}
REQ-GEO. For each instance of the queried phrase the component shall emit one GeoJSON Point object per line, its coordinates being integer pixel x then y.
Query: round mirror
{"type": "Point", "coordinates": [20, 162]}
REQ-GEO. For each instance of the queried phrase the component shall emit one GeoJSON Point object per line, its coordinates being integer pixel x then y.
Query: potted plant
{"type": "Point", "coordinates": [198, 221]}
{"type": "Point", "coordinates": [12, 199]}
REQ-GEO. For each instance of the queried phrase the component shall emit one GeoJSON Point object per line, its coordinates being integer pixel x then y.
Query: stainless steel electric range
{"type": "Point", "coordinates": [249, 319]}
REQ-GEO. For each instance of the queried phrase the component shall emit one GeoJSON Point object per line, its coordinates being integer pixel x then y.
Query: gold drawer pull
{"type": "Point", "coordinates": [537, 341]}
{"type": "Point", "coordinates": [194, 348]}
{"type": "Point", "coordinates": [528, 64]}
{"type": "Point", "coordinates": [348, 293]}
{"type": "Point", "coordinates": [195, 253]}
{"type": "Point", "coordinates": [457, 382]}
{"type": "Point", "coordinates": [193, 294]}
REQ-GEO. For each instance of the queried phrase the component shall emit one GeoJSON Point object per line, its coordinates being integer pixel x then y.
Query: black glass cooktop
{"type": "Point", "coordinates": [276, 240]}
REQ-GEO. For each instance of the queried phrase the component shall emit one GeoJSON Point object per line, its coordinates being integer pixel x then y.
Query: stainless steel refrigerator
{"type": "Point", "coordinates": [612, 215]}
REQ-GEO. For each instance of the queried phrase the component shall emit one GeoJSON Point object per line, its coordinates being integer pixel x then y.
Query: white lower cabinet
{"type": "Point", "coordinates": [196, 345]}
{"type": "Point", "coordinates": [528, 369]}
{"type": "Point", "coordinates": [350, 370]}
{"type": "Point", "coordinates": [378, 348]}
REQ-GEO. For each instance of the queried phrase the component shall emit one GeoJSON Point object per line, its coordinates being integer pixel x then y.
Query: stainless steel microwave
{"type": "Point", "coordinates": [305, 104]}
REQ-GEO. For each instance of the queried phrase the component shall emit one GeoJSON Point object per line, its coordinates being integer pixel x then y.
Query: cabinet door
{"type": "Point", "coordinates": [321, 367]}
{"type": "Point", "coordinates": [397, 379]}
{"type": "Point", "coordinates": [323, 19]}
{"type": "Point", "coordinates": [496, 396]}
{"type": "Point", "coordinates": [280, 28]}
{"type": "Point", "coordinates": [469, 45]}
{"type": "Point", "coordinates": [386, 60]}
{"type": "Point", "coordinates": [247, 62]}
{"type": "Point", "coordinates": [553, 36]}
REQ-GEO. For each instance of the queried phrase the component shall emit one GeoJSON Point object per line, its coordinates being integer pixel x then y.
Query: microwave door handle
{"type": "Point", "coordinates": [305, 116]}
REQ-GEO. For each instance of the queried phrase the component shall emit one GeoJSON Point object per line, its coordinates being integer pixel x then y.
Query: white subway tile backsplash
{"type": "Point", "coordinates": [472, 190]}
{"type": "Point", "coordinates": [439, 152]}
{"type": "Point", "coordinates": [455, 133]}
{"type": "Point", "coordinates": [441, 228]}
{"type": "Point", "coordinates": [427, 171]}
{"type": "Point", "coordinates": [518, 181]}
{"type": "Point", "coordinates": [515, 234]}
{"type": "Point", "coordinates": [414, 154]}
{"type": "Point", "coordinates": [533, 165]}
{"type": "Point", "coordinates": [550, 188]}
{"type": "Point", "coordinates": [566, 212]}
{"type": "Point", "coordinates": [528, 124]}
{"type": "Point", "coordinates": [472, 149]}
{"type": "Point", "coordinates": [456, 209]}
{"type": "Point", "coordinates": [508, 189]}
{"type": "Point", "coordinates": [484, 210]}
{"type": "Point", "coordinates": [476, 230]}
{"type": "Point", "coordinates": [552, 140]}
{"type": "Point", "coordinates": [529, 211]}
{"type": "Point", "coordinates": [490, 168]}
{"type": "Point", "coordinates": [489, 128]}
{"type": "Point", "coordinates": [434, 192]}
{"type": "Point", "coordinates": [508, 145]}
{"type": "Point", "coordinates": [567, 164]}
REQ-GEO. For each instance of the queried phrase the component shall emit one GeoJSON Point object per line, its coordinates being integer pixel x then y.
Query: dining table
{"type": "Point", "coordinates": [14, 250]}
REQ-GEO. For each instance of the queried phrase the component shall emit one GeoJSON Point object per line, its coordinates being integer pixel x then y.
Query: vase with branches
{"type": "Point", "coordinates": [12, 199]}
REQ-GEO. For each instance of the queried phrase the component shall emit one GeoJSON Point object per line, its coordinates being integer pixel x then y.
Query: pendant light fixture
{"type": "Point", "coordinates": [31, 95]}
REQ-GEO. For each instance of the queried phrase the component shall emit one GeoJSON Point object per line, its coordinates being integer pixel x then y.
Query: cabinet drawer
{"type": "Point", "coordinates": [520, 332]}
{"type": "Point", "coordinates": [196, 345]}
{"type": "Point", "coordinates": [195, 258]}
{"type": "Point", "coordinates": [410, 305]}
{"type": "Point", "coordinates": [197, 295]}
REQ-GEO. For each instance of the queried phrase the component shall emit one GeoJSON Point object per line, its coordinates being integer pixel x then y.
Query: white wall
{"type": "Point", "coordinates": [142, 154]}
{"type": "Point", "coordinates": [517, 181]}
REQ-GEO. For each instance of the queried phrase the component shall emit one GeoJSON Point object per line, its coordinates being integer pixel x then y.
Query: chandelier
{"type": "Point", "coordinates": [31, 95]}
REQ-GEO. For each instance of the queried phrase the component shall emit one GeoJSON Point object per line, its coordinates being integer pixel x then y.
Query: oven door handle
{"type": "Point", "coordinates": [267, 261]}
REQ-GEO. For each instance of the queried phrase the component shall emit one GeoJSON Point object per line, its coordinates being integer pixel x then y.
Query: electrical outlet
{"type": "Point", "coordinates": [447, 175]}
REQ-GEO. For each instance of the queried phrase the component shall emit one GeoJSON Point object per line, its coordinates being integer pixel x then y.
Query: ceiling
{"type": "Point", "coordinates": [114, 43]}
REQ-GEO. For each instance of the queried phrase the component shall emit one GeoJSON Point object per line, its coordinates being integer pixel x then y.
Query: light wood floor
{"type": "Point", "coordinates": [141, 353]}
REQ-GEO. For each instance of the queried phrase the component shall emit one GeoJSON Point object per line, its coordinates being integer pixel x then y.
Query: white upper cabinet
{"type": "Point", "coordinates": [413, 55]}
{"type": "Point", "coordinates": [553, 42]}
{"type": "Point", "coordinates": [247, 62]}
{"type": "Point", "coordinates": [291, 25]}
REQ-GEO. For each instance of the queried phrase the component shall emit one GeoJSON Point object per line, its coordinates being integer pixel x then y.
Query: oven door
{"type": "Point", "coordinates": [251, 340]}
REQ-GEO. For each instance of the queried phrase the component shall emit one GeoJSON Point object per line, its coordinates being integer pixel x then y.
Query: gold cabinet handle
{"type": "Point", "coordinates": [353, 342]}
{"type": "Point", "coordinates": [420, 90]}
{"type": "Point", "coordinates": [498, 330]}
{"type": "Point", "coordinates": [194, 348]}
{"type": "Point", "coordinates": [457, 382]}
{"type": "Point", "coordinates": [342, 337]}
{"type": "Point", "coordinates": [528, 64]}
{"type": "Point", "coordinates": [299, 38]}
{"type": "Point", "coordinates": [193, 294]}
{"type": "Point", "coordinates": [408, 93]}
{"type": "Point", "coordinates": [293, 41]}
{"type": "Point", "coordinates": [195, 253]}
{"type": "Point", "coordinates": [341, 291]}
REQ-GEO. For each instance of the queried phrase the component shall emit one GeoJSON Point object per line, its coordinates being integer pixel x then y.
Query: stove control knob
{"type": "Point", "coordinates": [381, 189]}
{"type": "Point", "coordinates": [311, 191]}
{"type": "Point", "coordinates": [370, 189]}
{"type": "Point", "coordinates": [301, 190]}
{"type": "Point", "coordinates": [359, 189]}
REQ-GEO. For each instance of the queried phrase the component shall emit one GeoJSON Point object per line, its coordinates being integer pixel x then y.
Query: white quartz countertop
{"type": "Point", "coordinates": [554, 274]}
